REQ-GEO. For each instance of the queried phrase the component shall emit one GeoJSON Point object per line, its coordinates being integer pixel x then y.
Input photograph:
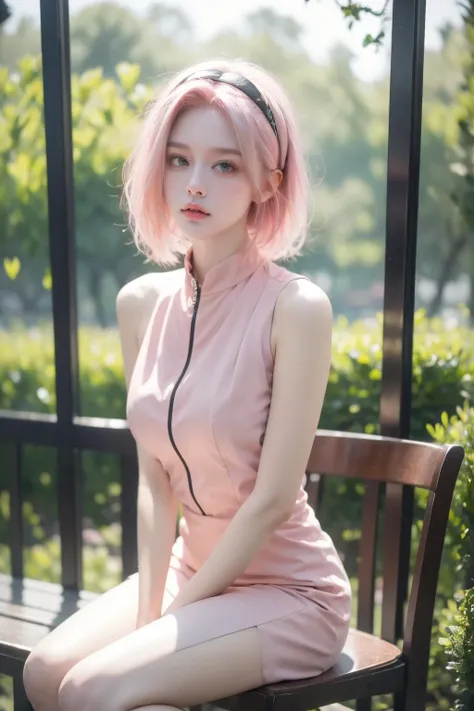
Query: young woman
{"type": "Point", "coordinates": [226, 362]}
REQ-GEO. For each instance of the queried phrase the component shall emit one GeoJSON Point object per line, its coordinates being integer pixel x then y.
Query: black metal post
{"type": "Point", "coordinates": [16, 512]}
{"type": "Point", "coordinates": [57, 116]}
{"type": "Point", "coordinates": [404, 146]}
{"type": "Point", "coordinates": [128, 513]}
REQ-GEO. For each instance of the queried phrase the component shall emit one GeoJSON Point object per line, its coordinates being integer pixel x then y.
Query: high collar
{"type": "Point", "coordinates": [224, 275]}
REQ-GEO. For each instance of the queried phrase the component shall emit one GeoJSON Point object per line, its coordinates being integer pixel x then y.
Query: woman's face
{"type": "Point", "coordinates": [204, 168]}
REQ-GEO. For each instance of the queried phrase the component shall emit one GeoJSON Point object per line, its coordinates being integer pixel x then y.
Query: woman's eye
{"type": "Point", "coordinates": [226, 167]}
{"type": "Point", "coordinates": [177, 161]}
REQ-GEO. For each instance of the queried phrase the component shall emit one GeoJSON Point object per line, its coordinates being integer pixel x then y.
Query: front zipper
{"type": "Point", "coordinates": [195, 300]}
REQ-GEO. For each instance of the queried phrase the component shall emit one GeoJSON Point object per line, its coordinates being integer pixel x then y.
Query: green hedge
{"type": "Point", "coordinates": [453, 632]}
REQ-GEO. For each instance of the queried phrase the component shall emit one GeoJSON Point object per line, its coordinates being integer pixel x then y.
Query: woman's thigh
{"type": "Point", "coordinates": [204, 651]}
{"type": "Point", "coordinates": [101, 622]}
{"type": "Point", "coordinates": [150, 666]}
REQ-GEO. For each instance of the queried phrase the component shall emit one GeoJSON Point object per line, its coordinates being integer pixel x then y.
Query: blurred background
{"type": "Point", "coordinates": [336, 69]}
{"type": "Point", "coordinates": [340, 90]}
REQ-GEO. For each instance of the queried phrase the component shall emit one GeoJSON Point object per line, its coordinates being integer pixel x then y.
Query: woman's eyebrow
{"type": "Point", "coordinates": [216, 149]}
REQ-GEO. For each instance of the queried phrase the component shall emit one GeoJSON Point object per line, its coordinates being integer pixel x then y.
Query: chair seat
{"type": "Point", "coordinates": [367, 666]}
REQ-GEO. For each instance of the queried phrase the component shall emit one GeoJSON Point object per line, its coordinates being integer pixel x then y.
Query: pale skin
{"type": "Point", "coordinates": [119, 653]}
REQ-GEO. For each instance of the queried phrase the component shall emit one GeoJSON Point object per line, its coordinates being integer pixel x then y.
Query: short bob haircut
{"type": "Point", "coordinates": [279, 224]}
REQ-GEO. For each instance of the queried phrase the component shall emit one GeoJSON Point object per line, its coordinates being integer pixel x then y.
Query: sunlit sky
{"type": "Point", "coordinates": [322, 20]}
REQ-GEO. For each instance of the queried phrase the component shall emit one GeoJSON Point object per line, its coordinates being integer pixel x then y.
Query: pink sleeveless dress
{"type": "Point", "coordinates": [198, 401]}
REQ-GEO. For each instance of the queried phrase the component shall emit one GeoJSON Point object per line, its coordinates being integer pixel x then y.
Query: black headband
{"type": "Point", "coordinates": [244, 85]}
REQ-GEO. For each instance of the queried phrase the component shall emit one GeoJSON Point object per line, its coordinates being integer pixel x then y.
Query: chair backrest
{"type": "Point", "coordinates": [395, 467]}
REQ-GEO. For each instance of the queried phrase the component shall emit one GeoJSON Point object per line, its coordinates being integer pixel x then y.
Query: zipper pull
{"type": "Point", "coordinates": [192, 299]}
{"type": "Point", "coordinates": [196, 289]}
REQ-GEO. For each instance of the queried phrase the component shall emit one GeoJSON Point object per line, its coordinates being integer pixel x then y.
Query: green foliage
{"type": "Point", "coordinates": [6, 693]}
{"type": "Point", "coordinates": [344, 125]}
{"type": "Point", "coordinates": [456, 625]}
{"type": "Point", "coordinates": [463, 166]}
{"type": "Point", "coordinates": [442, 374]}
{"type": "Point", "coordinates": [460, 649]}
{"type": "Point", "coordinates": [42, 561]}
{"type": "Point", "coordinates": [354, 12]}
{"type": "Point", "coordinates": [103, 122]}
{"type": "Point", "coordinates": [103, 112]}
{"type": "Point", "coordinates": [460, 428]}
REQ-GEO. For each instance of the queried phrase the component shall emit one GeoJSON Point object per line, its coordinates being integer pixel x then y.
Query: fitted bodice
{"type": "Point", "coordinates": [199, 400]}
{"type": "Point", "coordinates": [201, 387]}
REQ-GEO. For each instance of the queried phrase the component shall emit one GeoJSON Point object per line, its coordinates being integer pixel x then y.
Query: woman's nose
{"type": "Point", "coordinates": [194, 190]}
{"type": "Point", "coordinates": [196, 184]}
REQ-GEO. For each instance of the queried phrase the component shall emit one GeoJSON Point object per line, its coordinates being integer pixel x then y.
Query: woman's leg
{"type": "Point", "coordinates": [147, 667]}
{"type": "Point", "coordinates": [105, 620]}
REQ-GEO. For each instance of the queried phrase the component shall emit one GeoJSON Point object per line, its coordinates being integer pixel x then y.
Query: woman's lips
{"type": "Point", "coordinates": [194, 215]}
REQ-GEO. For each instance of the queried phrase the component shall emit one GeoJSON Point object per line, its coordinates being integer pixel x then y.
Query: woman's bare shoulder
{"type": "Point", "coordinates": [136, 299]}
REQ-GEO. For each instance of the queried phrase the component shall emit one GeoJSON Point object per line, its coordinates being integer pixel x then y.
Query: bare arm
{"type": "Point", "coordinates": [303, 325]}
{"type": "Point", "coordinates": [157, 508]}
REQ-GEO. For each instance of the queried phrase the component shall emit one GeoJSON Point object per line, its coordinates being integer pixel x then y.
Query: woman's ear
{"type": "Point", "coordinates": [272, 184]}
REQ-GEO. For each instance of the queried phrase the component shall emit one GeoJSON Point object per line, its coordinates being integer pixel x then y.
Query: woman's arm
{"type": "Point", "coordinates": [156, 529]}
{"type": "Point", "coordinates": [302, 327]}
{"type": "Point", "coordinates": [157, 509]}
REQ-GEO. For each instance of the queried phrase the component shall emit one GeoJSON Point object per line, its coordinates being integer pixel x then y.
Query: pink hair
{"type": "Point", "coordinates": [279, 224]}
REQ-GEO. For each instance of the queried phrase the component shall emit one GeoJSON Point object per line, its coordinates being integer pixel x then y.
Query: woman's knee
{"type": "Point", "coordinates": [43, 672]}
{"type": "Point", "coordinates": [83, 690]}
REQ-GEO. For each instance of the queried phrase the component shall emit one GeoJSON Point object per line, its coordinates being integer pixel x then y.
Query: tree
{"type": "Point", "coordinates": [4, 11]}
{"type": "Point", "coordinates": [170, 21]}
{"type": "Point", "coordinates": [441, 234]}
{"type": "Point", "coordinates": [344, 127]}
{"type": "Point", "coordinates": [103, 111]}
{"type": "Point", "coordinates": [463, 197]}
{"type": "Point", "coordinates": [25, 41]}
{"type": "Point", "coordinates": [283, 28]}
{"type": "Point", "coordinates": [446, 214]}
{"type": "Point", "coordinates": [104, 34]}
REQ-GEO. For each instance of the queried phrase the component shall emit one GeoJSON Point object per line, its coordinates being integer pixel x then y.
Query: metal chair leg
{"type": "Point", "coordinates": [400, 701]}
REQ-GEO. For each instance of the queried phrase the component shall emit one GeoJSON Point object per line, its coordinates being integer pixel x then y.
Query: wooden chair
{"type": "Point", "coordinates": [369, 665]}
